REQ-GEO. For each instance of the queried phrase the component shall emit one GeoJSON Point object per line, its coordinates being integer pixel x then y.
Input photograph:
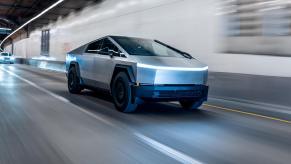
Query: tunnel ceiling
{"type": "Point", "coordinates": [14, 13]}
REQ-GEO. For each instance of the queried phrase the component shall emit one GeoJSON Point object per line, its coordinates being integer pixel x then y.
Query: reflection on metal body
{"type": "Point", "coordinates": [96, 70]}
{"type": "Point", "coordinates": [159, 70]}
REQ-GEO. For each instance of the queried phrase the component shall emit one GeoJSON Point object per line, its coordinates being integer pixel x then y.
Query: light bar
{"type": "Point", "coordinates": [171, 68]}
{"type": "Point", "coordinates": [7, 29]}
{"type": "Point", "coordinates": [34, 18]}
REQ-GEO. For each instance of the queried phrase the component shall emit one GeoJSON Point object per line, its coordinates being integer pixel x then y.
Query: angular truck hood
{"type": "Point", "coordinates": [172, 71]}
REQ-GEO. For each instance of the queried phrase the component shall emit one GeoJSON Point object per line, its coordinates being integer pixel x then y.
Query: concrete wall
{"type": "Point", "coordinates": [186, 24]}
{"type": "Point", "coordinates": [276, 45]}
{"type": "Point", "coordinates": [189, 25]}
{"type": "Point", "coordinates": [20, 48]}
{"type": "Point", "coordinates": [8, 48]}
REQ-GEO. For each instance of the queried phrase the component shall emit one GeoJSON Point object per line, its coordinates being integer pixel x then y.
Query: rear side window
{"type": "Point", "coordinates": [5, 54]}
{"type": "Point", "coordinates": [94, 47]}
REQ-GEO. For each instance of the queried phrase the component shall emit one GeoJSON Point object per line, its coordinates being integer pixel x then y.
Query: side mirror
{"type": "Point", "coordinates": [121, 54]}
{"type": "Point", "coordinates": [111, 53]}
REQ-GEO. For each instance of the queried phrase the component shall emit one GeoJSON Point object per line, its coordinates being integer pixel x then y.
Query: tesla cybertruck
{"type": "Point", "coordinates": [136, 70]}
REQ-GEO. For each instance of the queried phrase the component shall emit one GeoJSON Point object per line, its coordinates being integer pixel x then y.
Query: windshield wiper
{"type": "Point", "coordinates": [185, 54]}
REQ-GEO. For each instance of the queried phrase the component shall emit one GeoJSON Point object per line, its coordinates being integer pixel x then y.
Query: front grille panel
{"type": "Point", "coordinates": [197, 91]}
{"type": "Point", "coordinates": [174, 94]}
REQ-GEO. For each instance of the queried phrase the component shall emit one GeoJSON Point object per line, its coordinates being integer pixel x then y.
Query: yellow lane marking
{"type": "Point", "coordinates": [248, 113]}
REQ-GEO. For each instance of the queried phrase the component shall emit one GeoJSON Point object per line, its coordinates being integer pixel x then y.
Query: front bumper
{"type": "Point", "coordinates": [6, 61]}
{"type": "Point", "coordinates": [171, 92]}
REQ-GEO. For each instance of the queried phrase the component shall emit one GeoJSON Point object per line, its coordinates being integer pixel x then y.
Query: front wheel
{"type": "Point", "coordinates": [74, 85]}
{"type": "Point", "coordinates": [190, 104]}
{"type": "Point", "coordinates": [122, 95]}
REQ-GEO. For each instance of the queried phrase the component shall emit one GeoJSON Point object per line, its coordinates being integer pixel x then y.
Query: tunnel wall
{"type": "Point", "coordinates": [8, 48]}
{"type": "Point", "coordinates": [185, 24]}
{"type": "Point", "coordinates": [261, 45]}
{"type": "Point", "coordinates": [192, 26]}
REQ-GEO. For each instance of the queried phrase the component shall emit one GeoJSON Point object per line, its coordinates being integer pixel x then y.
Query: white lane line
{"type": "Point", "coordinates": [59, 97]}
{"type": "Point", "coordinates": [172, 153]}
{"type": "Point", "coordinates": [167, 150]}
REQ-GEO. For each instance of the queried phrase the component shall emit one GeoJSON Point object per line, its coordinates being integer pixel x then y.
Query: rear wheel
{"type": "Point", "coordinates": [190, 104]}
{"type": "Point", "coordinates": [121, 93]}
{"type": "Point", "coordinates": [74, 85]}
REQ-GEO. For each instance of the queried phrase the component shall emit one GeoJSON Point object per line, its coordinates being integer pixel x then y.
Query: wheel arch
{"type": "Point", "coordinates": [76, 65]}
{"type": "Point", "coordinates": [123, 68]}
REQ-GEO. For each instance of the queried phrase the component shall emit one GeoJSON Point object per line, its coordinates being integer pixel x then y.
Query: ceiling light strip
{"type": "Point", "coordinates": [34, 18]}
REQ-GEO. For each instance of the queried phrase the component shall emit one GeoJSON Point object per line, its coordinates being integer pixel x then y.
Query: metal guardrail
{"type": "Point", "coordinates": [58, 66]}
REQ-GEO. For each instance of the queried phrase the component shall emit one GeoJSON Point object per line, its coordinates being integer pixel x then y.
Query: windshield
{"type": "Point", "coordinates": [5, 54]}
{"type": "Point", "coordinates": [146, 47]}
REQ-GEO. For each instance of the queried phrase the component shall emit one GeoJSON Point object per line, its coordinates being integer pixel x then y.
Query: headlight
{"type": "Point", "coordinates": [12, 58]}
{"type": "Point", "coordinates": [1, 58]}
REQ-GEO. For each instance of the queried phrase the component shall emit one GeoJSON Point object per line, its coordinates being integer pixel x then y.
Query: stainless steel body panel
{"type": "Point", "coordinates": [102, 70]}
{"type": "Point", "coordinates": [168, 70]}
{"type": "Point", "coordinates": [86, 65]}
{"type": "Point", "coordinates": [171, 77]}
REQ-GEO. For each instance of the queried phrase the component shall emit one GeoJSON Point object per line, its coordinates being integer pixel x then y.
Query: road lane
{"type": "Point", "coordinates": [77, 137]}
{"type": "Point", "coordinates": [210, 136]}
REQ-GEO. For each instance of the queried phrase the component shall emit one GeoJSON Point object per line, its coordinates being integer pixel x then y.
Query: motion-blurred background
{"type": "Point", "coordinates": [246, 41]}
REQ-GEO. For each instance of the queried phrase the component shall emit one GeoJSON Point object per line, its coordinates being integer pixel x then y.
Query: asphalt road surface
{"type": "Point", "coordinates": [40, 122]}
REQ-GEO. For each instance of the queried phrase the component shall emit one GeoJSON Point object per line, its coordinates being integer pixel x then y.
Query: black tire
{"type": "Point", "coordinates": [74, 85]}
{"type": "Point", "coordinates": [190, 104]}
{"type": "Point", "coordinates": [121, 93]}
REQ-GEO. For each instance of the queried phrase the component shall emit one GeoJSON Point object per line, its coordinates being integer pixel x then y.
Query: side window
{"type": "Point", "coordinates": [94, 47]}
{"type": "Point", "coordinates": [108, 47]}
